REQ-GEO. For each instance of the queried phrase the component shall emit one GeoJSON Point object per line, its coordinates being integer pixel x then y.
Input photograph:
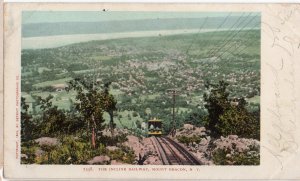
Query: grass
{"type": "Point", "coordinates": [124, 121]}
{"type": "Point", "coordinates": [254, 100]}
{"type": "Point", "coordinates": [50, 83]}
{"type": "Point", "coordinates": [100, 57]}
{"type": "Point", "coordinates": [42, 69]}
{"type": "Point", "coordinates": [116, 92]}
{"type": "Point", "coordinates": [60, 99]}
{"type": "Point", "coordinates": [149, 97]}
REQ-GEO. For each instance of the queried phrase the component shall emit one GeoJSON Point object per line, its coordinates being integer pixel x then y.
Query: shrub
{"type": "Point", "coordinates": [135, 114]}
{"type": "Point", "coordinates": [239, 122]}
{"type": "Point", "coordinates": [113, 141]}
{"type": "Point", "coordinates": [124, 154]}
{"type": "Point", "coordinates": [71, 151]}
{"type": "Point", "coordinates": [189, 140]}
{"type": "Point", "coordinates": [223, 157]}
{"type": "Point", "coordinates": [28, 149]}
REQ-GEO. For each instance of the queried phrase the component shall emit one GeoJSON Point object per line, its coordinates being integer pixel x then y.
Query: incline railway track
{"type": "Point", "coordinates": [172, 153]}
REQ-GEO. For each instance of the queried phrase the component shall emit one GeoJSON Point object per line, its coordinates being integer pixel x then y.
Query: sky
{"type": "Point", "coordinates": [98, 16]}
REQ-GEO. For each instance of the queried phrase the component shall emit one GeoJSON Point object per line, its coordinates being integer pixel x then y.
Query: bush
{"type": "Point", "coordinates": [239, 122]}
{"type": "Point", "coordinates": [135, 114]}
{"type": "Point", "coordinates": [189, 140]}
{"type": "Point", "coordinates": [113, 141]}
{"type": "Point", "coordinates": [71, 151]}
{"type": "Point", "coordinates": [223, 157]}
{"type": "Point", "coordinates": [28, 149]}
{"type": "Point", "coordinates": [124, 154]}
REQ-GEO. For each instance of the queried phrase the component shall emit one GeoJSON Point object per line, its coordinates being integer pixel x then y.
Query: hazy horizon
{"type": "Point", "coordinates": [98, 16]}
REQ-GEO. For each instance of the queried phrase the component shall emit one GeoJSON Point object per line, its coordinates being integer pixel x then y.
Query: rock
{"type": "Point", "coordinates": [24, 156]}
{"type": "Point", "coordinates": [99, 160]}
{"type": "Point", "coordinates": [134, 143]}
{"type": "Point", "coordinates": [143, 148]}
{"type": "Point", "coordinates": [233, 137]}
{"type": "Point", "coordinates": [190, 130]}
{"type": "Point", "coordinates": [204, 141]}
{"type": "Point", "coordinates": [117, 132]}
{"type": "Point", "coordinates": [47, 141]}
{"type": "Point", "coordinates": [39, 152]}
{"type": "Point", "coordinates": [200, 131]}
{"type": "Point", "coordinates": [203, 158]}
{"type": "Point", "coordinates": [112, 148]}
{"type": "Point", "coordinates": [115, 162]}
{"type": "Point", "coordinates": [152, 160]}
{"type": "Point", "coordinates": [188, 126]}
{"type": "Point", "coordinates": [233, 144]}
{"type": "Point", "coordinates": [208, 138]}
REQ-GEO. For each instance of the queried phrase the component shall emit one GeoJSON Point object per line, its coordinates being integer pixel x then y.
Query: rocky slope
{"type": "Point", "coordinates": [230, 150]}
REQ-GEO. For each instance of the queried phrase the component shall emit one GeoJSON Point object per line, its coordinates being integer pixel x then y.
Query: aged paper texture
{"type": "Point", "coordinates": [1, 88]}
{"type": "Point", "coordinates": [42, 154]}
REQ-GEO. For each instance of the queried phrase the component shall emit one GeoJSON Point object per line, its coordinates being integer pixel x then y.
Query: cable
{"type": "Point", "coordinates": [224, 62]}
{"type": "Point", "coordinates": [196, 35]}
{"type": "Point", "coordinates": [230, 33]}
{"type": "Point", "coordinates": [221, 24]}
{"type": "Point", "coordinates": [236, 35]}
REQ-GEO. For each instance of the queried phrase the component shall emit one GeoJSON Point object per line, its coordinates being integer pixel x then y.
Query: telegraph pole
{"type": "Point", "coordinates": [173, 93]}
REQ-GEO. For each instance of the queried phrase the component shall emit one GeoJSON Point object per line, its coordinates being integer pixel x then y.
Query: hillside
{"type": "Point", "coordinates": [143, 69]}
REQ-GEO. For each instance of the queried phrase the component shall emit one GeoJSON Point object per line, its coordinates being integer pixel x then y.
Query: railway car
{"type": "Point", "coordinates": [154, 127]}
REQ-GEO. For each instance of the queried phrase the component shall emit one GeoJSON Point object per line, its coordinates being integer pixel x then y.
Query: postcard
{"type": "Point", "coordinates": [151, 91]}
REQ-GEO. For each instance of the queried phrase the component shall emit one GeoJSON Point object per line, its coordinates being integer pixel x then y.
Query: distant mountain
{"type": "Point", "coordinates": [69, 28]}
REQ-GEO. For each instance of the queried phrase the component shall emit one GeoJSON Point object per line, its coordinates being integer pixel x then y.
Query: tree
{"type": "Point", "coordinates": [216, 101]}
{"type": "Point", "coordinates": [229, 116]}
{"type": "Point", "coordinates": [53, 119]}
{"type": "Point", "coordinates": [91, 102]}
{"type": "Point", "coordinates": [26, 124]}
{"type": "Point", "coordinates": [197, 117]}
{"type": "Point", "coordinates": [238, 121]}
{"type": "Point", "coordinates": [138, 124]}
{"type": "Point", "coordinates": [109, 106]}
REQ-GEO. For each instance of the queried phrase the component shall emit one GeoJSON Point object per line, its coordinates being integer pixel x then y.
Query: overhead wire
{"type": "Point", "coordinates": [231, 31]}
{"type": "Point", "coordinates": [235, 36]}
{"type": "Point", "coordinates": [190, 46]}
{"type": "Point", "coordinates": [220, 25]}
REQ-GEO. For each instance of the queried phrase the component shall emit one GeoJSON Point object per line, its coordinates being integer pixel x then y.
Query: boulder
{"type": "Point", "coordinates": [134, 143]}
{"type": "Point", "coordinates": [200, 131]}
{"type": "Point", "coordinates": [190, 130]}
{"type": "Point", "coordinates": [204, 141]}
{"type": "Point", "coordinates": [188, 126]}
{"type": "Point", "coordinates": [99, 160]}
{"type": "Point", "coordinates": [24, 156]}
{"type": "Point", "coordinates": [235, 144]}
{"type": "Point", "coordinates": [112, 148]}
{"type": "Point", "coordinates": [233, 137]}
{"type": "Point", "coordinates": [47, 141]}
